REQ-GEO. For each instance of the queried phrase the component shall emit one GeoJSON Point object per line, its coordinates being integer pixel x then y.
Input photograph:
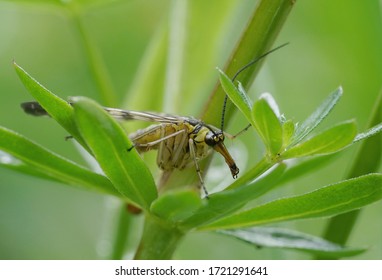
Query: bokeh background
{"type": "Point", "coordinates": [332, 43]}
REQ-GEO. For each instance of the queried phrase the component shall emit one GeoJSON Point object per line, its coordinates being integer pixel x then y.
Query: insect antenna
{"type": "Point", "coordinates": [234, 78]}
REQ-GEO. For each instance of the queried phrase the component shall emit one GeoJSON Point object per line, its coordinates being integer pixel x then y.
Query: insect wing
{"type": "Point", "coordinates": [35, 109]}
{"type": "Point", "coordinates": [144, 116]}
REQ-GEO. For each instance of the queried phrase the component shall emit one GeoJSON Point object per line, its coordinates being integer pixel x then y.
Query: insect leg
{"type": "Point", "coordinates": [230, 136]}
{"type": "Point", "coordinates": [193, 155]}
{"type": "Point", "coordinates": [155, 142]}
{"type": "Point", "coordinates": [178, 149]}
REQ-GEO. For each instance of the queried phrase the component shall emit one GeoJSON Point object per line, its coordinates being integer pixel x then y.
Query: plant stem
{"type": "Point", "coordinates": [159, 240]}
{"type": "Point", "coordinates": [263, 165]}
{"type": "Point", "coordinates": [259, 35]}
{"type": "Point", "coordinates": [121, 233]}
{"type": "Point", "coordinates": [97, 68]}
{"type": "Point", "coordinates": [367, 160]}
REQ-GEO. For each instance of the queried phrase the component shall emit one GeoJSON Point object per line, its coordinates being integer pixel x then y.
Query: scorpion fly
{"type": "Point", "coordinates": [180, 141]}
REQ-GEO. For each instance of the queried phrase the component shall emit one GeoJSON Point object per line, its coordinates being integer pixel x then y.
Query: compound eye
{"type": "Point", "coordinates": [213, 138]}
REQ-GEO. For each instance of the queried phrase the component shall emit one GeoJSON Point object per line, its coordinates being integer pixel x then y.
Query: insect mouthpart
{"type": "Point", "coordinates": [216, 141]}
{"type": "Point", "coordinates": [221, 149]}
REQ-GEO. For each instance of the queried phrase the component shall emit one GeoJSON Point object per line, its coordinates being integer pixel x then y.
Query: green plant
{"type": "Point", "coordinates": [175, 213]}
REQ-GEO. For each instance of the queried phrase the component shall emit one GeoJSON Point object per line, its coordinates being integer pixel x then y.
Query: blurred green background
{"type": "Point", "coordinates": [332, 43]}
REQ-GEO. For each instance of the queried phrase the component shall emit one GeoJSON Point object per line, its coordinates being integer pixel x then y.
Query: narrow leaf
{"type": "Point", "coordinates": [325, 202]}
{"type": "Point", "coordinates": [267, 125]}
{"type": "Point", "coordinates": [368, 133]}
{"type": "Point", "coordinates": [57, 108]}
{"type": "Point", "coordinates": [290, 239]}
{"type": "Point", "coordinates": [176, 206]}
{"type": "Point", "coordinates": [288, 132]}
{"type": "Point", "coordinates": [328, 141]}
{"type": "Point", "coordinates": [222, 203]}
{"type": "Point", "coordinates": [244, 95]}
{"type": "Point", "coordinates": [317, 117]}
{"type": "Point", "coordinates": [10, 162]}
{"type": "Point", "coordinates": [37, 160]}
{"type": "Point", "coordinates": [299, 167]}
{"type": "Point", "coordinates": [111, 148]}
{"type": "Point", "coordinates": [238, 97]}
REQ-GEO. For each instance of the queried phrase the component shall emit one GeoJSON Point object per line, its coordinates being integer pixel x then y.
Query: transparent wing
{"type": "Point", "coordinates": [34, 108]}
{"type": "Point", "coordinates": [144, 116]}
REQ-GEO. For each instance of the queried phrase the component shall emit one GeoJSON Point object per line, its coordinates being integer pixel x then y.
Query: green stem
{"type": "Point", "coordinates": [116, 231]}
{"type": "Point", "coordinates": [263, 165]}
{"type": "Point", "coordinates": [97, 68]}
{"type": "Point", "coordinates": [159, 240]}
{"type": "Point", "coordinates": [121, 233]}
{"type": "Point", "coordinates": [259, 35]}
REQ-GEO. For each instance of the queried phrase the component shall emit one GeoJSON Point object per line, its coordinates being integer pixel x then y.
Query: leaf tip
{"type": "Point", "coordinates": [15, 65]}
{"type": "Point", "coordinates": [340, 90]}
{"type": "Point", "coordinates": [221, 72]}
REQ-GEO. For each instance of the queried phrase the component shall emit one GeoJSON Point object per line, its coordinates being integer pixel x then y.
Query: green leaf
{"type": "Point", "coordinates": [368, 133]}
{"type": "Point", "coordinates": [36, 160]}
{"type": "Point", "coordinates": [57, 108]}
{"type": "Point", "coordinates": [288, 132]}
{"type": "Point", "coordinates": [238, 97]}
{"type": "Point", "coordinates": [317, 117]}
{"type": "Point", "coordinates": [110, 146]}
{"type": "Point", "coordinates": [222, 203]}
{"type": "Point", "coordinates": [267, 124]}
{"type": "Point", "coordinates": [290, 239]}
{"type": "Point", "coordinates": [325, 202]}
{"type": "Point", "coordinates": [328, 141]}
{"type": "Point", "coordinates": [10, 162]}
{"type": "Point", "coordinates": [176, 206]}
{"type": "Point", "coordinates": [299, 167]}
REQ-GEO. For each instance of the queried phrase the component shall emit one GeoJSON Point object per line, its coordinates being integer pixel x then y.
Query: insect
{"type": "Point", "coordinates": [180, 141]}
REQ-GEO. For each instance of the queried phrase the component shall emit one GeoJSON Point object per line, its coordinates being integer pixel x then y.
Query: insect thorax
{"type": "Point", "coordinates": [173, 143]}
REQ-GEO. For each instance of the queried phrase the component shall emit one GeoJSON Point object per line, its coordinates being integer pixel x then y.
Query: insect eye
{"type": "Point", "coordinates": [213, 138]}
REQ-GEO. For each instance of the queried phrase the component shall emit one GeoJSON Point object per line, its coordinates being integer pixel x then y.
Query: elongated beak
{"type": "Point", "coordinates": [221, 149]}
